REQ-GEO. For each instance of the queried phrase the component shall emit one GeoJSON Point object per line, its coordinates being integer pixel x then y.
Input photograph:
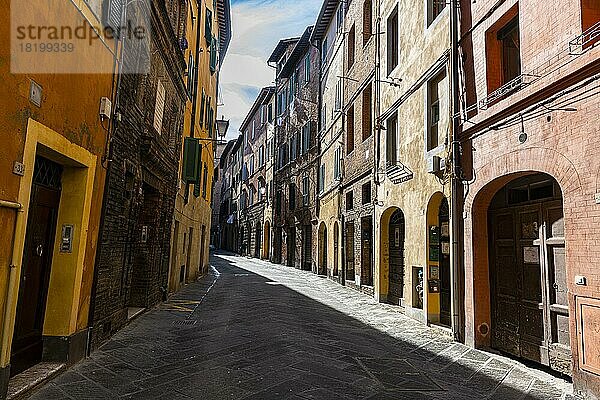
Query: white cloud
{"type": "Point", "coordinates": [258, 25]}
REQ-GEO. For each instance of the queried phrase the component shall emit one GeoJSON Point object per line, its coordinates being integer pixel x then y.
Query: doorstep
{"type": "Point", "coordinates": [21, 385]}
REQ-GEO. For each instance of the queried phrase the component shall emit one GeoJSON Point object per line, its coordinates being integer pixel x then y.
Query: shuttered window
{"type": "Point", "coordinates": [208, 27]}
{"type": "Point", "coordinates": [367, 125]}
{"type": "Point", "coordinates": [350, 130]}
{"type": "Point", "coordinates": [351, 46]}
{"type": "Point", "coordinates": [191, 159]}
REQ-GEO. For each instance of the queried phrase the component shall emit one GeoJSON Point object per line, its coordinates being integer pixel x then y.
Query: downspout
{"type": "Point", "coordinates": [456, 195]}
{"type": "Point", "coordinates": [319, 127]}
{"type": "Point", "coordinates": [13, 276]}
{"type": "Point", "coordinates": [377, 139]}
{"type": "Point", "coordinates": [275, 167]}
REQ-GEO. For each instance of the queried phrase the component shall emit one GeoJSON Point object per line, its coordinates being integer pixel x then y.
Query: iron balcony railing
{"type": "Point", "coordinates": [583, 41]}
{"type": "Point", "coordinates": [512, 86]}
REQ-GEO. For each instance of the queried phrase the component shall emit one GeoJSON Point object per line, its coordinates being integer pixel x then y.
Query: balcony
{"type": "Point", "coordinates": [502, 92]}
{"type": "Point", "coordinates": [398, 172]}
{"type": "Point", "coordinates": [584, 41]}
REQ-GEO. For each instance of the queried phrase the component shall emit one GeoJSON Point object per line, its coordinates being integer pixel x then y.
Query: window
{"type": "Point", "coordinates": [503, 53]}
{"type": "Point", "coordinates": [590, 16]}
{"type": "Point", "coordinates": [202, 105]}
{"type": "Point", "coordinates": [322, 178]}
{"type": "Point", "coordinates": [366, 193]}
{"type": "Point", "coordinates": [252, 165]}
{"type": "Point", "coordinates": [305, 144]}
{"type": "Point", "coordinates": [367, 21]}
{"type": "Point", "coordinates": [190, 77]}
{"type": "Point", "coordinates": [324, 117]}
{"type": "Point", "coordinates": [307, 69]}
{"type": "Point", "coordinates": [350, 130]}
{"type": "Point", "coordinates": [337, 166]}
{"type": "Point", "coordinates": [213, 55]}
{"type": "Point", "coordinates": [434, 110]}
{"type": "Point", "coordinates": [270, 112]}
{"type": "Point", "coordinates": [349, 201]}
{"type": "Point", "coordinates": [305, 191]}
{"type": "Point", "coordinates": [208, 27]}
{"type": "Point", "coordinates": [340, 18]}
{"type": "Point", "coordinates": [278, 201]}
{"type": "Point", "coordinates": [434, 8]}
{"type": "Point", "coordinates": [292, 196]}
{"type": "Point", "coordinates": [367, 125]}
{"type": "Point", "coordinates": [511, 52]}
{"type": "Point", "coordinates": [253, 130]}
{"type": "Point", "coordinates": [351, 46]}
{"type": "Point", "coordinates": [293, 147]}
{"type": "Point", "coordinates": [338, 95]}
{"type": "Point", "coordinates": [204, 181]}
{"type": "Point", "coordinates": [324, 51]}
{"type": "Point", "coordinates": [261, 156]}
{"type": "Point", "coordinates": [392, 41]}
{"type": "Point", "coordinates": [392, 140]}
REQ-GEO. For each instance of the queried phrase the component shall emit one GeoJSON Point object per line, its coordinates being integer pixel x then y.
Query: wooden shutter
{"type": "Point", "coordinates": [367, 126]}
{"type": "Point", "coordinates": [113, 12]}
{"type": "Point", "coordinates": [208, 27]}
{"type": "Point", "coordinates": [350, 130]}
{"type": "Point", "coordinates": [191, 159]}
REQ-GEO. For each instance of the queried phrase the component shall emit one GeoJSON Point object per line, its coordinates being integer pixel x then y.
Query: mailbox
{"type": "Point", "coordinates": [434, 285]}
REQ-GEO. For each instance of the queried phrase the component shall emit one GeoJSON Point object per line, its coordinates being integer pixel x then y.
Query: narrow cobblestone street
{"type": "Point", "coordinates": [255, 330]}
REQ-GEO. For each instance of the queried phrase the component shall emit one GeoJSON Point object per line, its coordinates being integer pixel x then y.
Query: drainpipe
{"type": "Point", "coordinates": [13, 276]}
{"type": "Point", "coordinates": [456, 195]}
{"type": "Point", "coordinates": [376, 143]}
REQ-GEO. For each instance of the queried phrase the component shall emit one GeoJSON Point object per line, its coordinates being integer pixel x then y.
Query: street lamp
{"type": "Point", "coordinates": [222, 127]}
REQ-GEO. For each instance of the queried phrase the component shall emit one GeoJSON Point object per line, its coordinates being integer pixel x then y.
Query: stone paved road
{"type": "Point", "coordinates": [254, 330]}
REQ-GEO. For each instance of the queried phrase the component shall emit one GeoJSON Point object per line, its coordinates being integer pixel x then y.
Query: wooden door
{"type": "Point", "coordinates": [529, 294]}
{"type": "Point", "coordinates": [349, 274]}
{"type": "Point", "coordinates": [35, 274]}
{"type": "Point", "coordinates": [366, 265]}
{"type": "Point", "coordinates": [557, 310]}
{"type": "Point", "coordinates": [396, 272]}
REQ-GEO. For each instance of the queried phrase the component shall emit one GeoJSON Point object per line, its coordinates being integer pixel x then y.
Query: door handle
{"type": "Point", "coordinates": [39, 250]}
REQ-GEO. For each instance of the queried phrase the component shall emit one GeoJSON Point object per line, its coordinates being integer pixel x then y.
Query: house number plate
{"type": "Point", "coordinates": [19, 168]}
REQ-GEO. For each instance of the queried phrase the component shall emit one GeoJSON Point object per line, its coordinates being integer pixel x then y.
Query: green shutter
{"type": "Point", "coordinates": [213, 55]}
{"type": "Point", "coordinates": [208, 26]}
{"type": "Point", "coordinates": [191, 159]}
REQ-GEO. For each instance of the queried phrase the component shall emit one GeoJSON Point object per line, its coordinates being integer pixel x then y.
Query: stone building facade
{"type": "Point", "coordinates": [135, 237]}
{"type": "Point", "coordinates": [530, 139]}
{"type": "Point", "coordinates": [207, 33]}
{"type": "Point", "coordinates": [295, 174]}
{"type": "Point", "coordinates": [358, 185]}
{"type": "Point", "coordinates": [254, 185]}
{"type": "Point", "coordinates": [52, 174]}
{"type": "Point", "coordinates": [328, 35]}
{"type": "Point", "coordinates": [413, 266]}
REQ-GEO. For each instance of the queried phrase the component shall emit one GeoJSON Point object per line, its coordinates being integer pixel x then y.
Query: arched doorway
{"type": "Point", "coordinates": [527, 272]}
{"type": "Point", "coordinates": [396, 257]}
{"type": "Point", "coordinates": [258, 240]}
{"type": "Point", "coordinates": [266, 240]}
{"type": "Point", "coordinates": [336, 246]}
{"type": "Point", "coordinates": [322, 249]}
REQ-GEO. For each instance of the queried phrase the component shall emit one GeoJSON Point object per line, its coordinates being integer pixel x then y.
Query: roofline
{"type": "Point", "coordinates": [300, 49]}
{"type": "Point", "coordinates": [280, 48]}
{"type": "Point", "coordinates": [265, 93]}
{"type": "Point", "coordinates": [224, 12]}
{"type": "Point", "coordinates": [324, 19]}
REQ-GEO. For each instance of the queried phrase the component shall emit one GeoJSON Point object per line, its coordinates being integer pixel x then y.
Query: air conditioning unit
{"type": "Point", "coordinates": [435, 165]}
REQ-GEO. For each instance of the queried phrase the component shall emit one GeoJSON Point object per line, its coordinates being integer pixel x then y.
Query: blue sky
{"type": "Point", "coordinates": [258, 25]}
